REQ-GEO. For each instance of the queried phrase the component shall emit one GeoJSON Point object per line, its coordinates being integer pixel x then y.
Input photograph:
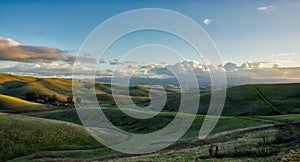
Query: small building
{"type": "Point", "coordinates": [39, 100]}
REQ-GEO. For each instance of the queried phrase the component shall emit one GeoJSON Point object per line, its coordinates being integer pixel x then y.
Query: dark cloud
{"type": "Point", "coordinates": [130, 62]}
{"type": "Point", "coordinates": [101, 61]}
{"type": "Point", "coordinates": [115, 62]}
{"type": "Point", "coordinates": [11, 50]}
{"type": "Point", "coordinates": [85, 59]}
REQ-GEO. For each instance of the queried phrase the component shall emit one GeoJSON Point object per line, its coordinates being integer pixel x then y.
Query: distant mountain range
{"type": "Point", "coordinates": [204, 82]}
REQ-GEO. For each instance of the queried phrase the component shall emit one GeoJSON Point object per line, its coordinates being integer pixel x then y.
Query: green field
{"type": "Point", "coordinates": [242, 132]}
{"type": "Point", "coordinates": [23, 135]}
{"type": "Point", "coordinates": [118, 118]}
{"type": "Point", "coordinates": [259, 122]}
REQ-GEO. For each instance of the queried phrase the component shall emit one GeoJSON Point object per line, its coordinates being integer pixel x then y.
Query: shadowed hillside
{"type": "Point", "coordinates": [260, 99]}
{"type": "Point", "coordinates": [22, 135]}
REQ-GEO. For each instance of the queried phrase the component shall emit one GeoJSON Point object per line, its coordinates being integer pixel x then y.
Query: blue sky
{"type": "Point", "coordinates": [256, 30]}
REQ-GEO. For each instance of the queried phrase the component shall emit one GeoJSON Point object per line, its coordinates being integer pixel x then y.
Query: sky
{"type": "Point", "coordinates": [262, 31]}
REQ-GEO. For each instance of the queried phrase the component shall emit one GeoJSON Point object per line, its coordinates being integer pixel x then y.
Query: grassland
{"type": "Point", "coordinates": [127, 123]}
{"type": "Point", "coordinates": [23, 135]}
{"type": "Point", "coordinates": [263, 99]}
{"type": "Point", "coordinates": [274, 140]}
{"type": "Point", "coordinates": [18, 86]}
{"type": "Point", "coordinates": [250, 100]}
{"type": "Point", "coordinates": [256, 118]}
{"type": "Point", "coordinates": [268, 143]}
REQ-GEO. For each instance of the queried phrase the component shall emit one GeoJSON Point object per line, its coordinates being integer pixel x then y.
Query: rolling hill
{"type": "Point", "coordinates": [249, 135]}
{"type": "Point", "coordinates": [9, 77]}
{"type": "Point", "coordinates": [23, 135]}
{"type": "Point", "coordinates": [18, 86]}
{"type": "Point", "coordinates": [253, 100]}
{"type": "Point", "coordinates": [16, 105]}
{"type": "Point", "coordinates": [258, 112]}
{"type": "Point", "coordinates": [259, 99]}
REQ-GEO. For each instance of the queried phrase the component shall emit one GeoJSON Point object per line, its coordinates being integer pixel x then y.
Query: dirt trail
{"type": "Point", "coordinates": [220, 137]}
{"type": "Point", "coordinates": [267, 101]}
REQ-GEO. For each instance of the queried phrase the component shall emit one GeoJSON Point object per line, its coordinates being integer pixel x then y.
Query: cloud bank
{"type": "Point", "coordinates": [49, 61]}
{"type": "Point", "coordinates": [11, 50]}
{"type": "Point", "coordinates": [246, 70]}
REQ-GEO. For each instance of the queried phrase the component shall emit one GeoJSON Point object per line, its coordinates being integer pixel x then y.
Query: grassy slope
{"type": "Point", "coordinates": [9, 77]}
{"type": "Point", "coordinates": [244, 100]}
{"type": "Point", "coordinates": [22, 135]}
{"type": "Point", "coordinates": [18, 86]}
{"type": "Point", "coordinates": [161, 120]}
{"type": "Point", "coordinates": [145, 126]}
{"type": "Point", "coordinates": [224, 124]}
{"type": "Point", "coordinates": [285, 97]}
{"type": "Point", "coordinates": [254, 145]}
{"type": "Point", "coordinates": [12, 104]}
{"type": "Point", "coordinates": [253, 100]}
{"type": "Point", "coordinates": [187, 150]}
{"type": "Point", "coordinates": [241, 101]}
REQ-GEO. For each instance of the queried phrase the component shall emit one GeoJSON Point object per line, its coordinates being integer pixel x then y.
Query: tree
{"type": "Point", "coordinates": [70, 99]}
{"type": "Point", "coordinates": [46, 98]}
{"type": "Point", "coordinates": [40, 96]}
{"type": "Point", "coordinates": [54, 97]}
{"type": "Point", "coordinates": [30, 96]}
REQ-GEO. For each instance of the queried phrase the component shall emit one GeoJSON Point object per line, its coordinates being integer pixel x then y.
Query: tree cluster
{"type": "Point", "coordinates": [45, 98]}
{"type": "Point", "coordinates": [33, 96]}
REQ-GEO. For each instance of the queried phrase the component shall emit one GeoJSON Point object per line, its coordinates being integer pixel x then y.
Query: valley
{"type": "Point", "coordinates": [259, 122]}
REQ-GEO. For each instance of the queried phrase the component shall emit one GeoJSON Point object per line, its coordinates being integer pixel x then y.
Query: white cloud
{"type": "Point", "coordinates": [48, 69]}
{"type": "Point", "coordinates": [280, 54]}
{"type": "Point", "coordinates": [260, 70]}
{"type": "Point", "coordinates": [207, 21]}
{"type": "Point", "coordinates": [284, 54]}
{"type": "Point", "coordinates": [230, 66]}
{"type": "Point", "coordinates": [252, 65]}
{"type": "Point", "coordinates": [285, 61]}
{"type": "Point", "coordinates": [265, 8]}
{"type": "Point", "coordinates": [277, 66]}
{"type": "Point", "coordinates": [184, 68]}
